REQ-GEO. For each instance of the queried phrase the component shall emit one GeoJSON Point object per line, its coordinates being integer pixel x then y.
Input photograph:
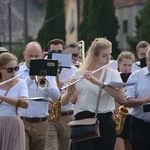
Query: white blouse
{"type": "Point", "coordinates": [88, 93]}
{"type": "Point", "coordinates": [17, 91]}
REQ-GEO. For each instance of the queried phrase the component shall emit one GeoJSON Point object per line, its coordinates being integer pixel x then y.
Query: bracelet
{"type": "Point", "coordinates": [104, 84]}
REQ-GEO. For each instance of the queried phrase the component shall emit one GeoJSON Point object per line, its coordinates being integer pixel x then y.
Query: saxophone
{"type": "Point", "coordinates": [55, 111]}
{"type": "Point", "coordinates": [121, 116]}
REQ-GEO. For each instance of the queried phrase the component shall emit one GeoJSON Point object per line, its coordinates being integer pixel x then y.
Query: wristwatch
{"type": "Point", "coordinates": [104, 84]}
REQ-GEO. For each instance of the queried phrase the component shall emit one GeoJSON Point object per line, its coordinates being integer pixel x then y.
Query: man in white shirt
{"type": "Point", "coordinates": [35, 117]}
{"type": "Point", "coordinates": [138, 98]}
{"type": "Point", "coordinates": [74, 49]}
{"type": "Point", "coordinates": [59, 131]}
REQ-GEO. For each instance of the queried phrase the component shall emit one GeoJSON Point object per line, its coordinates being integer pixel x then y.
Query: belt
{"type": "Point", "coordinates": [34, 120]}
{"type": "Point", "coordinates": [66, 113]}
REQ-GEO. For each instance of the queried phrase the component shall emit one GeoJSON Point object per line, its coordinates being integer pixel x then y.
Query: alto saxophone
{"type": "Point", "coordinates": [121, 116]}
{"type": "Point", "coordinates": [55, 111]}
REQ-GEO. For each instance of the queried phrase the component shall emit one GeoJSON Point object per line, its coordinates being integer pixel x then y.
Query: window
{"type": "Point", "coordinates": [125, 26]}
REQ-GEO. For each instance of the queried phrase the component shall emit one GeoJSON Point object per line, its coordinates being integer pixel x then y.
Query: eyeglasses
{"type": "Point", "coordinates": [56, 51]}
{"type": "Point", "coordinates": [75, 55]}
{"type": "Point", "coordinates": [10, 70]}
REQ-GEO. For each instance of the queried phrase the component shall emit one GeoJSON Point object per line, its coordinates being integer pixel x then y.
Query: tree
{"type": "Point", "coordinates": [99, 20]}
{"type": "Point", "coordinates": [142, 27]}
{"type": "Point", "coordinates": [54, 24]}
{"type": "Point", "coordinates": [143, 31]}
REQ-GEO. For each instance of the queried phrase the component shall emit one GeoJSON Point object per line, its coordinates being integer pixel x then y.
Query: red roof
{"type": "Point", "coordinates": [122, 3]}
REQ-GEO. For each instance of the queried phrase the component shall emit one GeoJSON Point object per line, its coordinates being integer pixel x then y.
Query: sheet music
{"type": "Point", "coordinates": [121, 84]}
{"type": "Point", "coordinates": [65, 59]}
{"type": "Point", "coordinates": [40, 99]}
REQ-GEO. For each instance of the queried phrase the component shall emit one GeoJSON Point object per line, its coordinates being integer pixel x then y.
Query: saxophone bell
{"type": "Point", "coordinates": [121, 116]}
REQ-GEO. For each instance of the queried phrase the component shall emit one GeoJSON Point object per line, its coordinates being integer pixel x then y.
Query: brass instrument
{"type": "Point", "coordinates": [42, 83]}
{"type": "Point", "coordinates": [82, 47]}
{"type": "Point", "coordinates": [121, 116]}
{"type": "Point", "coordinates": [55, 111]}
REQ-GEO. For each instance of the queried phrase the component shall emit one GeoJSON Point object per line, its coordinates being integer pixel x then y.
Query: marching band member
{"type": "Point", "coordinates": [35, 117]}
{"type": "Point", "coordinates": [59, 131]}
{"type": "Point", "coordinates": [141, 50]}
{"type": "Point", "coordinates": [125, 62]}
{"type": "Point", "coordinates": [12, 133]}
{"type": "Point", "coordinates": [74, 49]}
{"type": "Point", "coordinates": [138, 98]}
{"type": "Point", "coordinates": [87, 91]}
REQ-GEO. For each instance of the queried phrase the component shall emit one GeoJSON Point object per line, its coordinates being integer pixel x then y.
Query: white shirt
{"type": "Point", "coordinates": [16, 91]}
{"type": "Point", "coordinates": [65, 76]}
{"type": "Point", "coordinates": [38, 109]}
{"type": "Point", "coordinates": [140, 90]}
{"type": "Point", "coordinates": [88, 93]}
{"type": "Point", "coordinates": [136, 66]}
{"type": "Point", "coordinates": [113, 65]}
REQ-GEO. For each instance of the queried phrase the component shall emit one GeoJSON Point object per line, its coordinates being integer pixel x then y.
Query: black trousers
{"type": "Point", "coordinates": [139, 134]}
{"type": "Point", "coordinates": [107, 131]}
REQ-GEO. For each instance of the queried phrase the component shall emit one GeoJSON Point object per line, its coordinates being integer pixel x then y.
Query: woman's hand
{"type": "Point", "coordinates": [69, 95]}
{"type": "Point", "coordinates": [71, 89]}
{"type": "Point", "coordinates": [60, 84]}
{"type": "Point", "coordinates": [89, 76]}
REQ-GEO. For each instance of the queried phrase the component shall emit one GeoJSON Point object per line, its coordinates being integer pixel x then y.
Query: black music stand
{"type": "Point", "coordinates": [46, 67]}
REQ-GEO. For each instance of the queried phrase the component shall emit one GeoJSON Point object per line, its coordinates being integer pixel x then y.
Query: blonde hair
{"type": "Point", "coordinates": [97, 45]}
{"type": "Point", "coordinates": [142, 44]}
{"type": "Point", "coordinates": [126, 55]}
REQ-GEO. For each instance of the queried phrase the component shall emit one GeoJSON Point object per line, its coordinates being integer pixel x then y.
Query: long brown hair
{"type": "Point", "coordinates": [5, 58]}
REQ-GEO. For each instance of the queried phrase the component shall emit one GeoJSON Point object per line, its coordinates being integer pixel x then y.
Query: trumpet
{"type": "Point", "coordinates": [82, 77]}
{"type": "Point", "coordinates": [2, 83]}
{"type": "Point", "coordinates": [42, 83]}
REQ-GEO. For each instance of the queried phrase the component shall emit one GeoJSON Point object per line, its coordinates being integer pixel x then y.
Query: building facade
{"type": "Point", "coordinates": [126, 11]}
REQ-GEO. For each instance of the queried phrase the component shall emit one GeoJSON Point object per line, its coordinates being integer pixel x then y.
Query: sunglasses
{"type": "Point", "coordinates": [10, 70]}
{"type": "Point", "coordinates": [75, 55]}
{"type": "Point", "coordinates": [56, 51]}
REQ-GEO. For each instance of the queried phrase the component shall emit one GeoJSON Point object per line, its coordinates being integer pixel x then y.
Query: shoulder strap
{"type": "Point", "coordinates": [100, 92]}
{"type": "Point", "coordinates": [5, 95]}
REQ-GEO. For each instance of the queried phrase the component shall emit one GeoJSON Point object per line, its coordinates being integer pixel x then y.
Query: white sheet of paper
{"type": "Point", "coordinates": [65, 59]}
{"type": "Point", "coordinates": [121, 84]}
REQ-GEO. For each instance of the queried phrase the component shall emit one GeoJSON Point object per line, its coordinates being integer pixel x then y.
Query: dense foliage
{"type": "Point", "coordinates": [54, 24]}
{"type": "Point", "coordinates": [142, 27]}
{"type": "Point", "coordinates": [99, 20]}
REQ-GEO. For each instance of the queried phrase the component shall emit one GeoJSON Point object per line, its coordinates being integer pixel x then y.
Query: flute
{"type": "Point", "coordinates": [4, 82]}
{"type": "Point", "coordinates": [82, 77]}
